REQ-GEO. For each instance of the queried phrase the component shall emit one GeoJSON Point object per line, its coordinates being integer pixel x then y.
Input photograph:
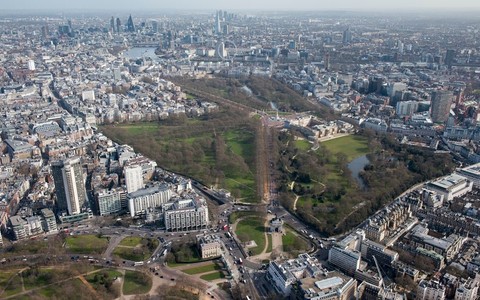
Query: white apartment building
{"type": "Point", "coordinates": [141, 200]}
{"type": "Point", "coordinates": [109, 202]}
{"type": "Point", "coordinates": [133, 178]}
{"type": "Point", "coordinates": [186, 214]}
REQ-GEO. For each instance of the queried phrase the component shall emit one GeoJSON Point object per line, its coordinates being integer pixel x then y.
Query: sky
{"type": "Point", "coordinates": [271, 5]}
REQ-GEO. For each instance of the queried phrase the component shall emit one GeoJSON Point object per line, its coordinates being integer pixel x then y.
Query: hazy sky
{"type": "Point", "coordinates": [303, 5]}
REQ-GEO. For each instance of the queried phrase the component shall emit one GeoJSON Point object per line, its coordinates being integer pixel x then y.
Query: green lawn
{"type": "Point", "coordinates": [293, 243]}
{"type": "Point", "coordinates": [270, 245]}
{"type": "Point", "coordinates": [252, 228]}
{"type": "Point", "coordinates": [202, 269]}
{"type": "Point", "coordinates": [136, 283]}
{"type": "Point", "coordinates": [136, 248]}
{"type": "Point", "coordinates": [131, 241]}
{"type": "Point", "coordinates": [352, 145]}
{"type": "Point", "coordinates": [303, 145]}
{"type": "Point", "coordinates": [213, 276]}
{"type": "Point", "coordinates": [86, 244]}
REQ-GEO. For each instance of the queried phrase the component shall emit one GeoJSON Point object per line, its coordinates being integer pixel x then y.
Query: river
{"type": "Point", "coordinates": [356, 166]}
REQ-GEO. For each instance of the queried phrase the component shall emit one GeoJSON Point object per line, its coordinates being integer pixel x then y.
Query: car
{"type": "Point", "coordinates": [161, 276]}
{"type": "Point", "coordinates": [172, 279]}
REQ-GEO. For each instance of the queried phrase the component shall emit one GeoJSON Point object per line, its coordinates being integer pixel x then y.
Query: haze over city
{"type": "Point", "coordinates": [271, 5]}
{"type": "Point", "coordinates": [240, 150]}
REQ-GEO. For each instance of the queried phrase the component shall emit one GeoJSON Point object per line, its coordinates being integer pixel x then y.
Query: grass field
{"type": "Point", "coordinates": [136, 248]}
{"type": "Point", "coordinates": [252, 228]}
{"type": "Point", "coordinates": [131, 241]}
{"type": "Point", "coordinates": [292, 242]}
{"type": "Point", "coordinates": [136, 283]}
{"type": "Point", "coordinates": [213, 276]}
{"type": "Point", "coordinates": [86, 244]}
{"type": "Point", "coordinates": [352, 145]}
{"type": "Point", "coordinates": [303, 145]}
{"type": "Point", "coordinates": [202, 269]}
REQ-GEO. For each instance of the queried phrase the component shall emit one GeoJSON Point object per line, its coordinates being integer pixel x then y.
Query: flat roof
{"type": "Point", "coordinates": [328, 283]}
{"type": "Point", "coordinates": [448, 181]}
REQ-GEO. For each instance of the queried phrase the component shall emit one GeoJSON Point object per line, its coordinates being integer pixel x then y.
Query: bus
{"type": "Point", "coordinates": [138, 263]}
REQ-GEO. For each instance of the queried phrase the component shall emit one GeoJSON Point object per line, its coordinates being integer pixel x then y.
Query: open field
{"type": "Point", "coordinates": [202, 269]}
{"type": "Point", "coordinates": [136, 283]}
{"type": "Point", "coordinates": [352, 146]}
{"type": "Point", "coordinates": [136, 248]}
{"type": "Point", "coordinates": [252, 228]}
{"type": "Point", "coordinates": [213, 276]}
{"type": "Point", "coordinates": [293, 243]}
{"type": "Point", "coordinates": [86, 244]}
{"type": "Point", "coordinates": [131, 241]}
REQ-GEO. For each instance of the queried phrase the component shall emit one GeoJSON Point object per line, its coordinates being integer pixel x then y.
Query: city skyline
{"type": "Point", "coordinates": [269, 5]}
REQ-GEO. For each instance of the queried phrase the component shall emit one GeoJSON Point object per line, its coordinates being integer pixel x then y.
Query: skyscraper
{"type": "Point", "coordinates": [133, 178]}
{"type": "Point", "coordinates": [119, 25]}
{"type": "Point", "coordinates": [69, 185]}
{"type": "Point", "coordinates": [347, 36]}
{"type": "Point", "coordinates": [449, 57]}
{"type": "Point", "coordinates": [130, 26]}
{"type": "Point", "coordinates": [440, 107]}
{"type": "Point", "coordinates": [112, 24]}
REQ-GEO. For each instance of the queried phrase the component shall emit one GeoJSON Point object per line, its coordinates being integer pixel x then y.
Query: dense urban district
{"type": "Point", "coordinates": [221, 155]}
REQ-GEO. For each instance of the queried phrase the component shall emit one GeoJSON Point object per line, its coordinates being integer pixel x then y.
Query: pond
{"type": "Point", "coordinates": [356, 166]}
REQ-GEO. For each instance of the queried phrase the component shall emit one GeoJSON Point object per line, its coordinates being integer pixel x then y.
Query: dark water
{"type": "Point", "coordinates": [356, 166]}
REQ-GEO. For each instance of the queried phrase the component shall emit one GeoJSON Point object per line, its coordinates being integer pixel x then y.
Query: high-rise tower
{"type": "Point", "coordinates": [130, 26]}
{"type": "Point", "coordinates": [440, 107]}
{"type": "Point", "coordinates": [133, 178]}
{"type": "Point", "coordinates": [69, 185]}
{"type": "Point", "coordinates": [119, 25]}
{"type": "Point", "coordinates": [347, 36]}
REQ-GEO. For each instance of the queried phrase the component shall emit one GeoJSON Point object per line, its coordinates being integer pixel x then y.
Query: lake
{"type": "Point", "coordinates": [356, 166]}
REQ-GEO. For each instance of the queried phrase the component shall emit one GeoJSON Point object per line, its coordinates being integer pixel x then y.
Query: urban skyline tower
{"type": "Point", "coordinates": [440, 107]}
{"type": "Point", "coordinates": [69, 185]}
{"type": "Point", "coordinates": [130, 25]}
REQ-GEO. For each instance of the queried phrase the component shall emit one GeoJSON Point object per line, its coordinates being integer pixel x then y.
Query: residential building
{"type": "Point", "coordinates": [151, 197]}
{"type": "Point", "coordinates": [133, 178]}
{"type": "Point", "coordinates": [430, 290]}
{"type": "Point", "coordinates": [468, 290]}
{"type": "Point", "coordinates": [49, 223]}
{"type": "Point", "coordinates": [440, 107]}
{"type": "Point", "coordinates": [186, 214]}
{"type": "Point", "coordinates": [17, 225]}
{"type": "Point", "coordinates": [69, 185]}
{"type": "Point", "coordinates": [110, 201]}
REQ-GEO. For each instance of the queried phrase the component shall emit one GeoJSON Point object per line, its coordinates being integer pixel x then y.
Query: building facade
{"type": "Point", "coordinates": [141, 200]}
{"type": "Point", "coordinates": [69, 185]}
{"type": "Point", "coordinates": [186, 214]}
